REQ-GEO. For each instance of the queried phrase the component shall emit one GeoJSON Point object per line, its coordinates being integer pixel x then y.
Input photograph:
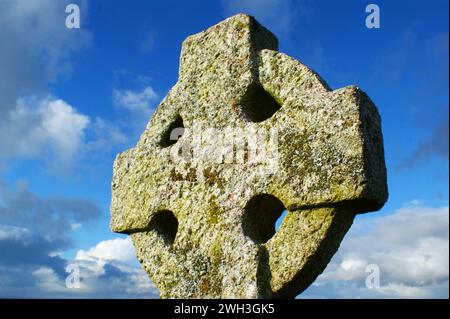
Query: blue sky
{"type": "Point", "coordinates": [71, 99]}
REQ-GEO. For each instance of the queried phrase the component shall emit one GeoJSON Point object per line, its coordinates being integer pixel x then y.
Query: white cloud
{"type": "Point", "coordinates": [36, 47]}
{"type": "Point", "coordinates": [30, 268]}
{"type": "Point", "coordinates": [43, 127]}
{"type": "Point", "coordinates": [113, 263]}
{"type": "Point", "coordinates": [62, 124]}
{"type": "Point", "coordinates": [110, 269]}
{"type": "Point", "coordinates": [135, 101]}
{"type": "Point", "coordinates": [14, 233]}
{"type": "Point", "coordinates": [36, 50]}
{"type": "Point", "coordinates": [51, 129]}
{"type": "Point", "coordinates": [114, 280]}
{"type": "Point", "coordinates": [410, 247]}
{"type": "Point", "coordinates": [119, 249]}
{"type": "Point", "coordinates": [48, 280]}
{"type": "Point", "coordinates": [98, 279]}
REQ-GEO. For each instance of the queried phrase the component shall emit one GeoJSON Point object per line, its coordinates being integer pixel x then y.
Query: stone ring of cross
{"type": "Point", "coordinates": [246, 135]}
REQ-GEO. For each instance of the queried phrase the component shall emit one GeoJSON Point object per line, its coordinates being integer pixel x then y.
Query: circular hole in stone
{"type": "Point", "coordinates": [166, 224]}
{"type": "Point", "coordinates": [260, 216]}
{"type": "Point", "coordinates": [172, 133]}
{"type": "Point", "coordinates": [258, 105]}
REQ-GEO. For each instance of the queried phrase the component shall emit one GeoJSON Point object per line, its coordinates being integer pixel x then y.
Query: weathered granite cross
{"type": "Point", "coordinates": [205, 228]}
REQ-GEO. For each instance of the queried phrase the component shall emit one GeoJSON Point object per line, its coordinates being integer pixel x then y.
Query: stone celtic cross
{"type": "Point", "coordinates": [245, 134]}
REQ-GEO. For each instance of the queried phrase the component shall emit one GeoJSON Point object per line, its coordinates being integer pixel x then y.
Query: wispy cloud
{"type": "Point", "coordinates": [140, 101]}
{"type": "Point", "coordinates": [138, 104]}
{"type": "Point", "coordinates": [429, 103]}
{"type": "Point", "coordinates": [105, 136]}
{"type": "Point", "coordinates": [392, 65]}
{"type": "Point", "coordinates": [437, 46]}
{"type": "Point", "coordinates": [148, 43]}
{"type": "Point", "coordinates": [410, 247]}
{"type": "Point", "coordinates": [435, 145]}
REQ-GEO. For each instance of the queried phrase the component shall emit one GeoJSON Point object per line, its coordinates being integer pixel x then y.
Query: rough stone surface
{"type": "Point", "coordinates": [203, 227]}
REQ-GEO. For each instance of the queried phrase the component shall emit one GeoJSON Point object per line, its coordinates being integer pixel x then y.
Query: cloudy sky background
{"type": "Point", "coordinates": [71, 99]}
